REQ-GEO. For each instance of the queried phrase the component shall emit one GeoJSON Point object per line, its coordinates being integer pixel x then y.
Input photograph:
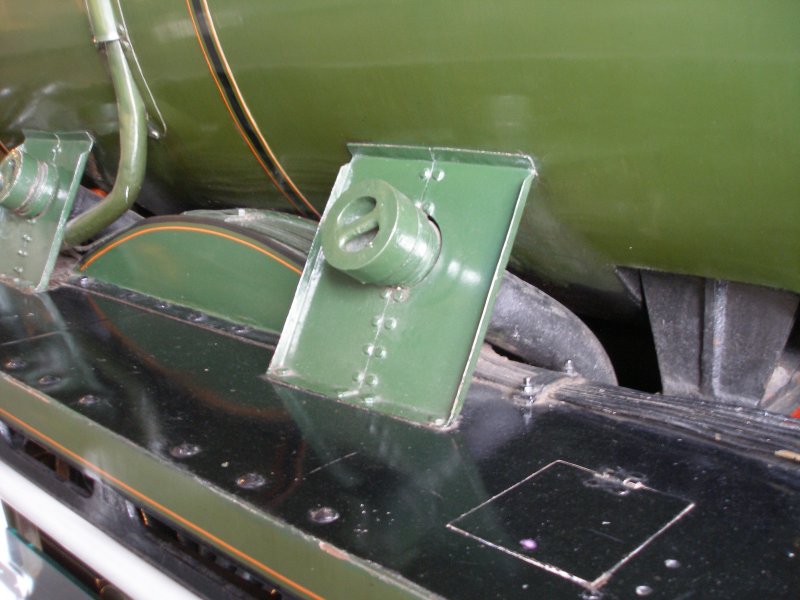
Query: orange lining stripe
{"type": "Point", "coordinates": [229, 72]}
{"type": "Point", "coordinates": [136, 234]}
{"type": "Point", "coordinates": [172, 514]}
{"type": "Point", "coordinates": [230, 111]}
{"type": "Point", "coordinates": [245, 109]}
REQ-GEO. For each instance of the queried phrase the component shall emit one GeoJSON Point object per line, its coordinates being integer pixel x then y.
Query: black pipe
{"type": "Point", "coordinates": [541, 331]}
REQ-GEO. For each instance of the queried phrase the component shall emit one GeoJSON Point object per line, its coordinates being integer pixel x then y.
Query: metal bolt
{"type": "Point", "coordinates": [46, 380]}
{"type": "Point", "coordinates": [184, 450]}
{"type": "Point", "coordinates": [671, 563]}
{"type": "Point", "coordinates": [83, 282]}
{"type": "Point", "coordinates": [323, 515]}
{"type": "Point", "coordinates": [251, 481]}
{"type": "Point", "coordinates": [15, 364]}
{"type": "Point", "coordinates": [643, 590]}
{"type": "Point", "coordinates": [88, 400]}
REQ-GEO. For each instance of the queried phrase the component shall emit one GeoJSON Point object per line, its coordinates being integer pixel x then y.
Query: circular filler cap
{"type": "Point", "coordinates": [27, 185]}
{"type": "Point", "coordinates": [375, 234]}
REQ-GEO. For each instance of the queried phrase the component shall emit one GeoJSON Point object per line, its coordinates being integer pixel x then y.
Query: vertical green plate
{"type": "Point", "coordinates": [409, 351]}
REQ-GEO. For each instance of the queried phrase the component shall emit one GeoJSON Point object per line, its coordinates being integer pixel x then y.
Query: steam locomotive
{"type": "Point", "coordinates": [399, 299]}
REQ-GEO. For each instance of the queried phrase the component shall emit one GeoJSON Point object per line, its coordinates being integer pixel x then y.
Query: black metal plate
{"type": "Point", "coordinates": [163, 383]}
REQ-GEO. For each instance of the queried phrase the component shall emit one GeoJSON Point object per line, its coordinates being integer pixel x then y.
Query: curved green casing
{"type": "Point", "coordinates": [667, 133]}
{"type": "Point", "coordinates": [217, 269]}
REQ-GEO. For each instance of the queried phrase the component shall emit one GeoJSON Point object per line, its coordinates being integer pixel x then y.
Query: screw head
{"type": "Point", "coordinates": [184, 450]}
{"type": "Point", "coordinates": [323, 515]}
{"type": "Point", "coordinates": [251, 481]}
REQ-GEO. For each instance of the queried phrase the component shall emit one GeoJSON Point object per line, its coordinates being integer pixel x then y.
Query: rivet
{"type": "Point", "coordinates": [197, 317]}
{"type": "Point", "coordinates": [22, 253]}
{"type": "Point", "coordinates": [15, 364]}
{"type": "Point", "coordinates": [184, 450]}
{"type": "Point", "coordinates": [369, 349]}
{"type": "Point", "coordinates": [83, 281]}
{"type": "Point", "coordinates": [439, 422]}
{"type": "Point", "coordinates": [372, 380]}
{"type": "Point", "coordinates": [49, 380]}
{"type": "Point", "coordinates": [19, 270]}
{"type": "Point", "coordinates": [377, 321]}
{"type": "Point", "coordinates": [671, 563]}
{"type": "Point", "coordinates": [251, 481]}
{"type": "Point", "coordinates": [26, 237]}
{"type": "Point", "coordinates": [369, 400]}
{"type": "Point", "coordinates": [323, 515]}
{"type": "Point", "coordinates": [358, 377]}
{"type": "Point", "coordinates": [400, 295]}
{"type": "Point", "coordinates": [390, 324]}
{"type": "Point", "coordinates": [380, 352]}
{"type": "Point", "coordinates": [643, 590]}
{"type": "Point", "coordinates": [88, 400]}
{"type": "Point", "coordinates": [386, 294]}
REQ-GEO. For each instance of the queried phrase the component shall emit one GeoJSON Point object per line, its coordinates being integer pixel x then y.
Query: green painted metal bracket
{"type": "Point", "coordinates": [395, 298]}
{"type": "Point", "coordinates": [38, 183]}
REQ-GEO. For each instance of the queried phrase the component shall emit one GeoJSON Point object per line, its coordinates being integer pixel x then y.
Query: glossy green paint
{"type": "Point", "coordinates": [38, 183]}
{"type": "Point", "coordinates": [217, 518]}
{"type": "Point", "coordinates": [665, 133]}
{"type": "Point", "coordinates": [377, 235]}
{"type": "Point", "coordinates": [369, 343]}
{"type": "Point", "coordinates": [132, 143]}
{"type": "Point", "coordinates": [218, 270]}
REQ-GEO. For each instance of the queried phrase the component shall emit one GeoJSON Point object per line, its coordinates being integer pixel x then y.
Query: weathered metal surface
{"type": "Point", "coordinates": [355, 504]}
{"type": "Point", "coordinates": [717, 339]}
{"type": "Point", "coordinates": [667, 134]}
{"type": "Point", "coordinates": [38, 183]}
{"type": "Point", "coordinates": [371, 344]}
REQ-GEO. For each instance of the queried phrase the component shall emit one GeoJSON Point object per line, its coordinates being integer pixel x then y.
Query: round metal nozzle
{"type": "Point", "coordinates": [27, 185]}
{"type": "Point", "coordinates": [375, 234]}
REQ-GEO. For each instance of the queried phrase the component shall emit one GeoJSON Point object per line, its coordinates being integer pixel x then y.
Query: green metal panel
{"type": "Point", "coordinates": [222, 271]}
{"type": "Point", "coordinates": [666, 132]}
{"type": "Point", "coordinates": [372, 344]}
{"type": "Point", "coordinates": [38, 183]}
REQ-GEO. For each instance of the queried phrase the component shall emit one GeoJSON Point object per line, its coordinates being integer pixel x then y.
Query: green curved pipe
{"type": "Point", "coordinates": [133, 153]}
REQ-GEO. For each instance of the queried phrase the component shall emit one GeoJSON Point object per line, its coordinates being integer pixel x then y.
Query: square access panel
{"type": "Point", "coordinates": [580, 524]}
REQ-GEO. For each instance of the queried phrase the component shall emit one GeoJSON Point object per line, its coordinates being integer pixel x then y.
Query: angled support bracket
{"type": "Point", "coordinates": [38, 183]}
{"type": "Point", "coordinates": [395, 298]}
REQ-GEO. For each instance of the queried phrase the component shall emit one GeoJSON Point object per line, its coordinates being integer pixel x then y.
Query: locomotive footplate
{"type": "Point", "coordinates": [164, 421]}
